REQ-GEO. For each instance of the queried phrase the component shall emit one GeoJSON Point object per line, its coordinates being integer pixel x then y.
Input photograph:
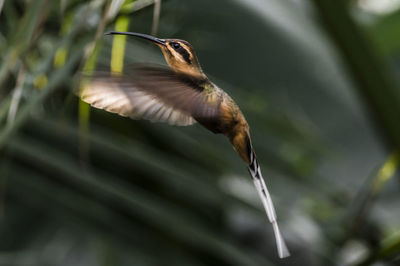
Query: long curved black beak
{"type": "Point", "coordinates": [140, 35]}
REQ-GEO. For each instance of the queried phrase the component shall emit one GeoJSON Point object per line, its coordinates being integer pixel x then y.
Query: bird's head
{"type": "Point", "coordinates": [179, 54]}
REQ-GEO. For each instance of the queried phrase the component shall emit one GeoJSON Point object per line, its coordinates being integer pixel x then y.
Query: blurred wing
{"type": "Point", "coordinates": [153, 93]}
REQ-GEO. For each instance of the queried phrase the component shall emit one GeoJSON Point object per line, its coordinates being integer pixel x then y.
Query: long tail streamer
{"type": "Point", "coordinates": [262, 190]}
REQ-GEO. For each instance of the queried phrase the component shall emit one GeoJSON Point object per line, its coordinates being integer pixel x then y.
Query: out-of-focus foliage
{"type": "Point", "coordinates": [80, 186]}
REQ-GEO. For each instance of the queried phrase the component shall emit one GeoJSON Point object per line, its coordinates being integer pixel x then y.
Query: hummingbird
{"type": "Point", "coordinates": [181, 95]}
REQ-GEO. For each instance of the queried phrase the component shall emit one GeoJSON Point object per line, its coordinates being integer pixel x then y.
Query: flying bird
{"type": "Point", "coordinates": [180, 95]}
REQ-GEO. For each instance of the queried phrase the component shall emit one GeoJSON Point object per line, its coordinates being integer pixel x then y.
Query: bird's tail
{"type": "Point", "coordinates": [262, 190]}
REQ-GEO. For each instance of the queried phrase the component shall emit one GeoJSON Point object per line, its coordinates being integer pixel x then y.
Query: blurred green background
{"type": "Point", "coordinates": [316, 79]}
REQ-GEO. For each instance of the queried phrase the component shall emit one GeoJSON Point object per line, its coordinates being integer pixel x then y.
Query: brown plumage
{"type": "Point", "coordinates": [180, 95]}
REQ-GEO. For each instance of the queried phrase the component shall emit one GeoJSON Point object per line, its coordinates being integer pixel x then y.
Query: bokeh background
{"type": "Point", "coordinates": [316, 79]}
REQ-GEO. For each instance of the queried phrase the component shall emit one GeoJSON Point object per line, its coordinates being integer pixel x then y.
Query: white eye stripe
{"type": "Point", "coordinates": [178, 55]}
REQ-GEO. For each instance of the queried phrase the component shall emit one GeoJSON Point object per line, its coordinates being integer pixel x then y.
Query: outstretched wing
{"type": "Point", "coordinates": [154, 93]}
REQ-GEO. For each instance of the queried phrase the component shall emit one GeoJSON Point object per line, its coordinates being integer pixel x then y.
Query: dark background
{"type": "Point", "coordinates": [93, 188]}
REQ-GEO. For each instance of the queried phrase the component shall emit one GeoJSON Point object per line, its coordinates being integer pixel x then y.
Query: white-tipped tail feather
{"type": "Point", "coordinates": [262, 190]}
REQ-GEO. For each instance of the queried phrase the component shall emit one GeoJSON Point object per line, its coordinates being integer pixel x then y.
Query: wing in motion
{"type": "Point", "coordinates": [154, 93]}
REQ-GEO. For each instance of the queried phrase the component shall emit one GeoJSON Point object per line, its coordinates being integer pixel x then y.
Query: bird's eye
{"type": "Point", "coordinates": [175, 45]}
